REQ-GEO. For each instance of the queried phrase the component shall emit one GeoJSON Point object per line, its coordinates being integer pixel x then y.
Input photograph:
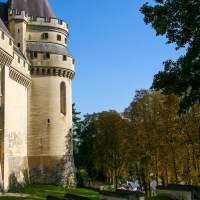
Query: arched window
{"type": "Point", "coordinates": [63, 98]}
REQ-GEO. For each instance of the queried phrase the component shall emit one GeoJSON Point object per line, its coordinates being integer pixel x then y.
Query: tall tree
{"type": "Point", "coordinates": [76, 128]}
{"type": "Point", "coordinates": [87, 140]}
{"type": "Point", "coordinates": [179, 21]}
{"type": "Point", "coordinates": [111, 152]}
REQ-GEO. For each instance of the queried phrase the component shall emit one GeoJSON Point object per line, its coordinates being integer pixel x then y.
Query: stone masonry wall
{"type": "Point", "coordinates": [48, 130]}
{"type": "Point", "coordinates": [15, 131]}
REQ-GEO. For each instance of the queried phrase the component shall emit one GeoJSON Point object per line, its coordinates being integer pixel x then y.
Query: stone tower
{"type": "Point", "coordinates": [46, 103]}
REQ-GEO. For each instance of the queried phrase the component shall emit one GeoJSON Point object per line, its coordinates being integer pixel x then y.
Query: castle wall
{"type": "Point", "coordinates": [20, 65]}
{"type": "Point", "coordinates": [54, 61]}
{"type": "Point", "coordinates": [48, 128]}
{"type": "Point", "coordinates": [15, 132]}
{"type": "Point", "coordinates": [36, 120]}
{"type": "Point", "coordinates": [18, 31]}
{"type": "Point", "coordinates": [6, 43]}
{"type": "Point", "coordinates": [56, 37]}
{"type": "Point", "coordinates": [44, 102]}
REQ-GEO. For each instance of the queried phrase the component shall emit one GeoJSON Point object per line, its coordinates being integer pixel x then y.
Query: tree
{"type": "Point", "coordinates": [111, 153]}
{"type": "Point", "coordinates": [87, 139]}
{"type": "Point", "coordinates": [76, 128]}
{"type": "Point", "coordinates": [179, 21]}
{"type": "Point", "coordinates": [166, 144]}
{"type": "Point", "coordinates": [76, 125]}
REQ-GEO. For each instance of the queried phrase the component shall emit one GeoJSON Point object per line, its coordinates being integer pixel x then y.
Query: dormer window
{"type": "Point", "coordinates": [35, 55]}
{"type": "Point", "coordinates": [64, 57]}
{"type": "Point", "coordinates": [45, 35]}
{"type": "Point", "coordinates": [47, 55]}
{"type": "Point", "coordinates": [59, 37]}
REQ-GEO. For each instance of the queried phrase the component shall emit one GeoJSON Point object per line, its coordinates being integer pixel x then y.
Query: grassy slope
{"type": "Point", "coordinates": [39, 192]}
{"type": "Point", "coordinates": [42, 191]}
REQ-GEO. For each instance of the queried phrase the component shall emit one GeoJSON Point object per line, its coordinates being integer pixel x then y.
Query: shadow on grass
{"type": "Point", "coordinates": [41, 191]}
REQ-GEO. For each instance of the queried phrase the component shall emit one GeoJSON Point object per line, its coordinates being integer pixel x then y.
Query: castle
{"type": "Point", "coordinates": [36, 72]}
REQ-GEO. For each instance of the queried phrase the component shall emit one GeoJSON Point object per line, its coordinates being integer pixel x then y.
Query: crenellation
{"type": "Point", "coordinates": [52, 22]}
{"type": "Point", "coordinates": [17, 14]}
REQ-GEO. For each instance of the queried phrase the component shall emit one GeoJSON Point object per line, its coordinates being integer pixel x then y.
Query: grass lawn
{"type": "Point", "coordinates": [39, 192]}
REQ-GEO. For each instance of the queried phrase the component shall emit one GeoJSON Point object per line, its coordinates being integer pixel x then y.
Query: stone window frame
{"type": "Point", "coordinates": [47, 56]}
{"type": "Point", "coordinates": [59, 37]}
{"type": "Point", "coordinates": [64, 57]}
{"type": "Point", "coordinates": [35, 55]}
{"type": "Point", "coordinates": [45, 36]}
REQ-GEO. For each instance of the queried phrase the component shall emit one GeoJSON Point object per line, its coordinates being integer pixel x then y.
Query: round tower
{"type": "Point", "coordinates": [50, 150]}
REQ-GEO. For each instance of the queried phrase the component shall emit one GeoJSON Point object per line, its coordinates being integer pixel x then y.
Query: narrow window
{"type": "Point", "coordinates": [18, 59]}
{"type": "Point", "coordinates": [59, 37]}
{"type": "Point", "coordinates": [63, 98]}
{"type": "Point", "coordinates": [18, 44]}
{"type": "Point", "coordinates": [10, 42]}
{"type": "Point", "coordinates": [18, 30]}
{"type": "Point", "coordinates": [2, 35]}
{"type": "Point", "coordinates": [45, 36]}
{"type": "Point", "coordinates": [35, 54]}
{"type": "Point", "coordinates": [65, 40]}
{"type": "Point", "coordinates": [48, 121]}
{"type": "Point", "coordinates": [64, 57]}
{"type": "Point", "coordinates": [47, 55]}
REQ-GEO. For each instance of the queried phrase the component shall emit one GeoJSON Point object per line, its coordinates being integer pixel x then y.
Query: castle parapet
{"type": "Point", "coordinates": [15, 14]}
{"type": "Point", "coordinates": [51, 22]}
{"type": "Point", "coordinates": [38, 21]}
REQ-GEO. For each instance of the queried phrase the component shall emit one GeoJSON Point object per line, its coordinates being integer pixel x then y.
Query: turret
{"type": "Point", "coordinates": [17, 22]}
{"type": "Point", "coordinates": [37, 72]}
{"type": "Point", "coordinates": [50, 98]}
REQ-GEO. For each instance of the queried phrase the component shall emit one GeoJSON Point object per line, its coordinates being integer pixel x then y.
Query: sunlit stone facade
{"type": "Point", "coordinates": [36, 72]}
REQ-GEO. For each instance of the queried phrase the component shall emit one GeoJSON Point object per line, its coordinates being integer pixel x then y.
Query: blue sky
{"type": "Point", "coordinates": [115, 52]}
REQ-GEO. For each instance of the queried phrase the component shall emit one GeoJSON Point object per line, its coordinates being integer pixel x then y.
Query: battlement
{"type": "Point", "coordinates": [43, 21]}
{"type": "Point", "coordinates": [38, 21]}
{"type": "Point", "coordinates": [15, 14]}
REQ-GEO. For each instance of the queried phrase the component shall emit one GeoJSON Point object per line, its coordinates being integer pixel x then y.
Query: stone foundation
{"type": "Point", "coordinates": [52, 170]}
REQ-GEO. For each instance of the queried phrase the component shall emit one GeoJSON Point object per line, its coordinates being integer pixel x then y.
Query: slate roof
{"type": "Point", "coordinates": [35, 8]}
{"type": "Point", "coordinates": [3, 27]}
{"type": "Point", "coordinates": [48, 47]}
{"type": "Point", "coordinates": [18, 51]}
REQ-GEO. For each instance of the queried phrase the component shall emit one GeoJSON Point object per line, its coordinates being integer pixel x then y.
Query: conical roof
{"type": "Point", "coordinates": [35, 8]}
